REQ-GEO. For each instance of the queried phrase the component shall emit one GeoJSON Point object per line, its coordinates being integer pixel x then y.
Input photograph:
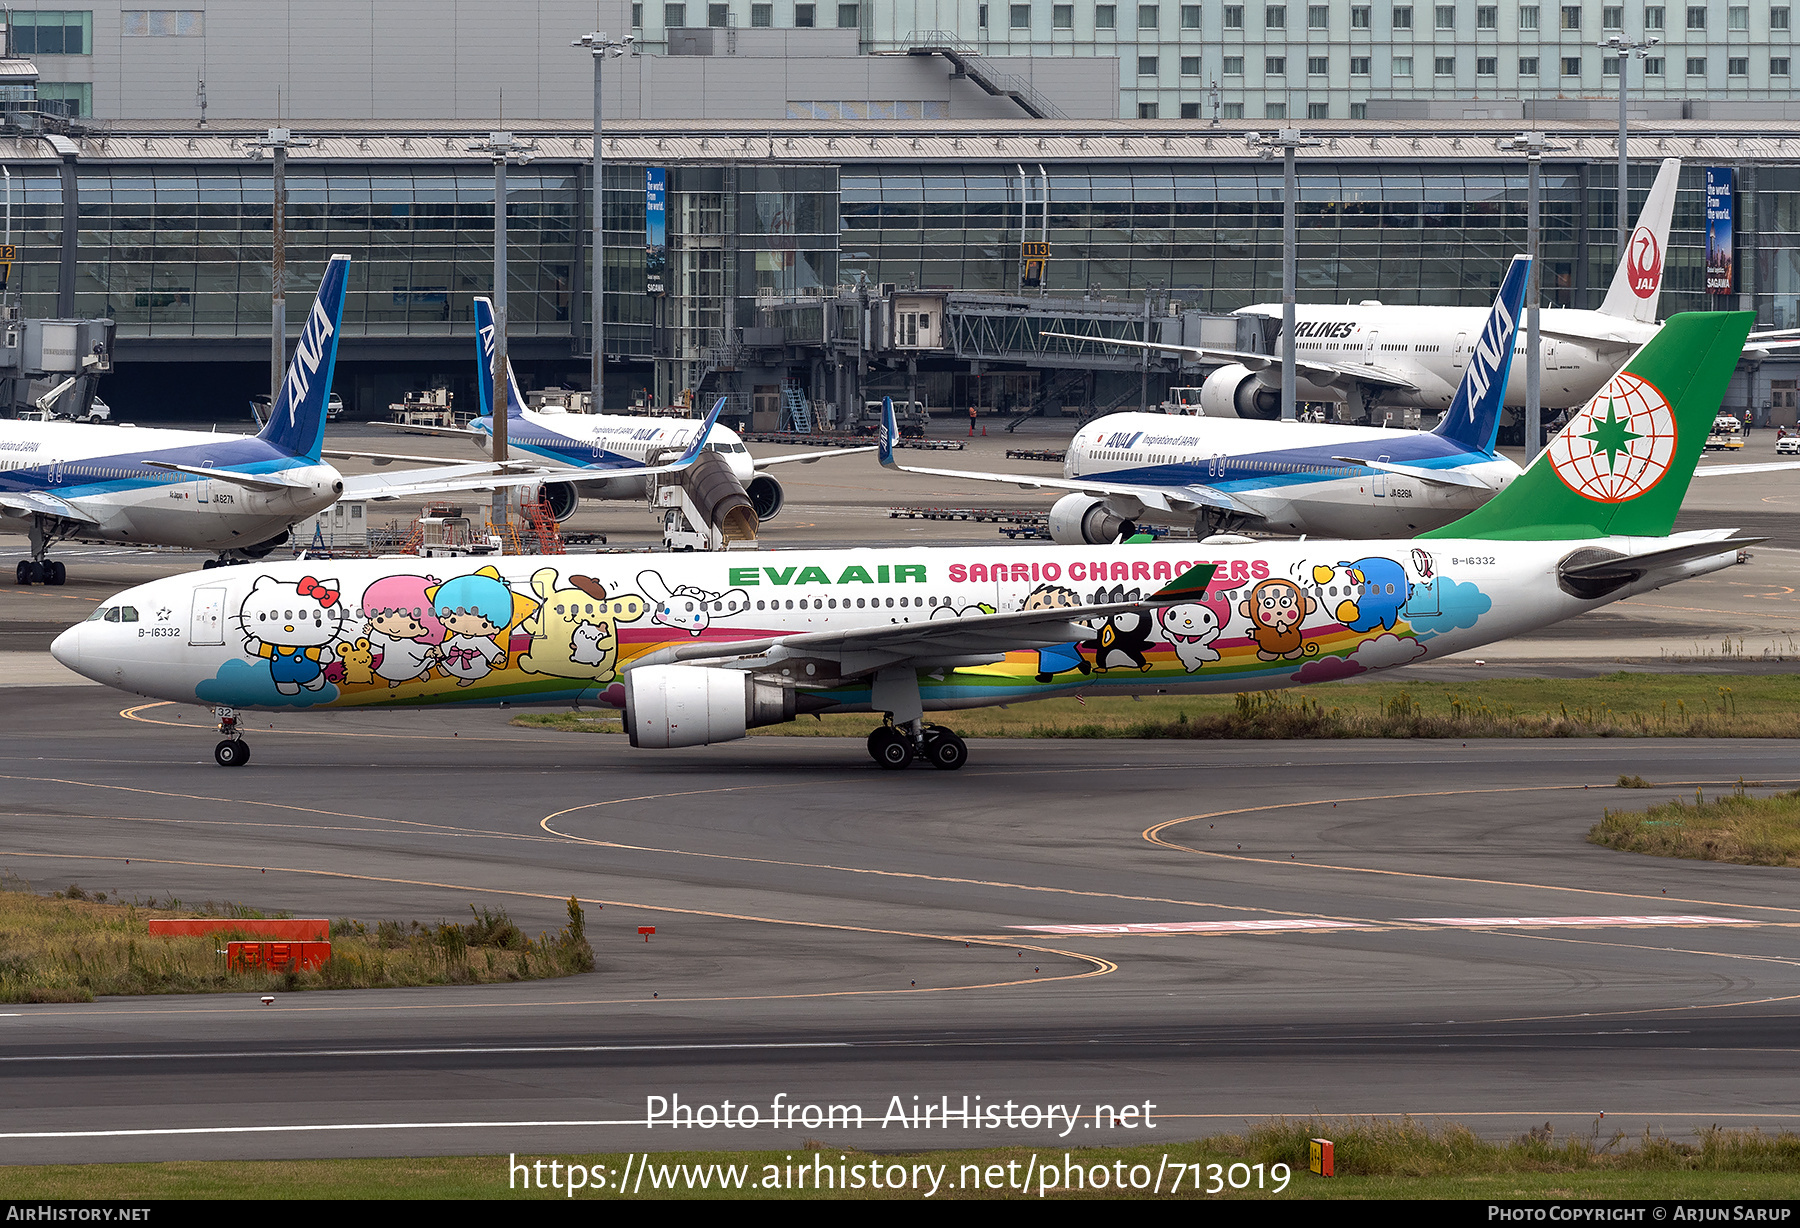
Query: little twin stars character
{"type": "Point", "coordinates": [474, 610]}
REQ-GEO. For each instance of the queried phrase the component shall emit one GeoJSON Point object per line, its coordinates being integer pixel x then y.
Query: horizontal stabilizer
{"type": "Point", "coordinates": [1437, 477]}
{"type": "Point", "coordinates": [268, 483]}
{"type": "Point", "coordinates": [1629, 566]}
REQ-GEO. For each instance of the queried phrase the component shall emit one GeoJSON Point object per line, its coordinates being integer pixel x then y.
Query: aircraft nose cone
{"type": "Point", "coordinates": [66, 648]}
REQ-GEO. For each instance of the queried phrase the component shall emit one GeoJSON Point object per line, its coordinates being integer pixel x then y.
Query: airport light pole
{"type": "Point", "coordinates": [603, 50]}
{"type": "Point", "coordinates": [501, 147]}
{"type": "Point", "coordinates": [1287, 140]}
{"type": "Point", "coordinates": [278, 142]}
{"type": "Point", "coordinates": [1625, 48]}
{"type": "Point", "coordinates": [1535, 145]}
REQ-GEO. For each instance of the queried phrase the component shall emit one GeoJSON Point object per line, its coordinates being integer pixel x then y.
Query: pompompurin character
{"type": "Point", "coordinates": [404, 633]}
{"type": "Point", "coordinates": [293, 626]}
{"type": "Point", "coordinates": [474, 610]}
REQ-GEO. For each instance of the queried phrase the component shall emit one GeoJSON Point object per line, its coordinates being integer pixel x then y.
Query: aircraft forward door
{"type": "Point", "coordinates": [1371, 346]}
{"type": "Point", "coordinates": [1379, 482]}
{"type": "Point", "coordinates": [208, 626]}
{"type": "Point", "coordinates": [203, 488]}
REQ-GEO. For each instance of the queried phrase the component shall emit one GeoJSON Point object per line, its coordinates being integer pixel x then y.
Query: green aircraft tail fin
{"type": "Point", "coordinates": [1623, 463]}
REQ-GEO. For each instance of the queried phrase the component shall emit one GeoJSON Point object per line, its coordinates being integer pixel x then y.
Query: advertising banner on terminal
{"type": "Point", "coordinates": [1719, 263]}
{"type": "Point", "coordinates": [656, 235]}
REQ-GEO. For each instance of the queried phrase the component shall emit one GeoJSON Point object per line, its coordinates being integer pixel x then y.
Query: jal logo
{"type": "Point", "coordinates": [1643, 263]}
{"type": "Point", "coordinates": [1620, 445]}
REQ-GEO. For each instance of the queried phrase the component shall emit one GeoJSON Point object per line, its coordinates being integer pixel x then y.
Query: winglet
{"type": "Point", "coordinates": [296, 422]}
{"type": "Point", "coordinates": [890, 431]}
{"type": "Point", "coordinates": [699, 444]}
{"type": "Point", "coordinates": [1190, 585]}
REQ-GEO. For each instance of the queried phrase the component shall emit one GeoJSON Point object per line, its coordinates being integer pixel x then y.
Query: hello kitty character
{"type": "Point", "coordinates": [292, 625]}
{"type": "Point", "coordinates": [1191, 627]}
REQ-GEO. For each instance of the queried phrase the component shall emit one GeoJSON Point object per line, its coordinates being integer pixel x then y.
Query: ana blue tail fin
{"type": "Point", "coordinates": [296, 422]}
{"type": "Point", "coordinates": [890, 431]}
{"type": "Point", "coordinates": [1473, 419]}
{"type": "Point", "coordinates": [484, 365]}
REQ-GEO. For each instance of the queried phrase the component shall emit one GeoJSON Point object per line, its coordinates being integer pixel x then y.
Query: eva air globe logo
{"type": "Point", "coordinates": [1620, 445]}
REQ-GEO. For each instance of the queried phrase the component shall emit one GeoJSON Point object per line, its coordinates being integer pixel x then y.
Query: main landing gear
{"type": "Point", "coordinates": [41, 571]}
{"type": "Point", "coordinates": [894, 748]}
{"type": "Point", "coordinates": [233, 751]}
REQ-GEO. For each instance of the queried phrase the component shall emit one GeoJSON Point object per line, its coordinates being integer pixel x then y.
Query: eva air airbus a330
{"type": "Point", "coordinates": [701, 648]}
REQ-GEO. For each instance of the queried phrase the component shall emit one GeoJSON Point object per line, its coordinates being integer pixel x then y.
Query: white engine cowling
{"type": "Point", "coordinates": [1238, 392]}
{"type": "Point", "coordinates": [562, 498]}
{"type": "Point", "coordinates": [766, 496]}
{"type": "Point", "coordinates": [693, 705]}
{"type": "Point", "coordinates": [1085, 520]}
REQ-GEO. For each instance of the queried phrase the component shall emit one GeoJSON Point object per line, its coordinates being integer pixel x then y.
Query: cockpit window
{"type": "Point", "coordinates": [99, 614]}
{"type": "Point", "coordinates": [128, 614]}
{"type": "Point", "coordinates": [112, 614]}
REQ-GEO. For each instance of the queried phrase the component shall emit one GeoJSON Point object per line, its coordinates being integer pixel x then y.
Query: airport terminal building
{"type": "Point", "coordinates": [803, 168]}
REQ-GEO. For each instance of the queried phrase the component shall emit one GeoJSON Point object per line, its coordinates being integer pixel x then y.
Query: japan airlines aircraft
{"type": "Point", "coordinates": [237, 494]}
{"type": "Point", "coordinates": [1376, 356]}
{"type": "Point", "coordinates": [701, 648]}
{"type": "Point", "coordinates": [1289, 477]}
{"type": "Point", "coordinates": [560, 457]}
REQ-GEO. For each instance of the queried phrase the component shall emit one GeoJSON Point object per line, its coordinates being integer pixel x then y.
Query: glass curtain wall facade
{"type": "Point", "coordinates": [183, 252]}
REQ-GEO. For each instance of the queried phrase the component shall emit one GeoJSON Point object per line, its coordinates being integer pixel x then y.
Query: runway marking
{"type": "Point", "coordinates": [1578, 922]}
{"type": "Point", "coordinates": [1153, 834]}
{"type": "Point", "coordinates": [131, 714]}
{"type": "Point", "coordinates": [442, 1051]}
{"type": "Point", "coordinates": [1193, 927]}
{"type": "Point", "coordinates": [1100, 966]}
{"type": "Point", "coordinates": [1244, 927]}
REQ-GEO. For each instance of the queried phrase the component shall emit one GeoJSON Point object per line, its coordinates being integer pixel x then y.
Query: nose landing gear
{"type": "Point", "coordinates": [233, 751]}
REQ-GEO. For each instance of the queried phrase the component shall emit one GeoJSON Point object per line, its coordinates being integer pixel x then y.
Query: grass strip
{"type": "Point", "coordinates": [1620, 705]}
{"type": "Point", "coordinates": [1375, 1158]}
{"type": "Point", "coordinates": [72, 945]}
{"type": "Point", "coordinates": [1735, 827]}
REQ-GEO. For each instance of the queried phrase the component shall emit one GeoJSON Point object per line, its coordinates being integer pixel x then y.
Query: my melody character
{"type": "Point", "coordinates": [293, 627]}
{"type": "Point", "coordinates": [474, 609]}
{"type": "Point", "coordinates": [404, 633]}
{"type": "Point", "coordinates": [1192, 627]}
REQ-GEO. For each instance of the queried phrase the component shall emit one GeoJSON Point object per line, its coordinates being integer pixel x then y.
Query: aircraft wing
{"type": "Point", "coordinates": [268, 483]}
{"type": "Point", "coordinates": [1436, 477]}
{"type": "Point", "coordinates": [1171, 499]}
{"type": "Point", "coordinates": [1713, 471]}
{"type": "Point", "coordinates": [458, 432]}
{"type": "Point", "coordinates": [867, 649]}
{"type": "Point", "coordinates": [381, 458]}
{"type": "Point", "coordinates": [1317, 372]}
{"type": "Point", "coordinates": [806, 458]}
{"type": "Point", "coordinates": [37, 503]}
{"type": "Point", "coordinates": [490, 475]}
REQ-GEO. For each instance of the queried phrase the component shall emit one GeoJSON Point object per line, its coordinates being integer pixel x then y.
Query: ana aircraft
{"type": "Point", "coordinates": [237, 494]}
{"type": "Point", "coordinates": [1375, 356]}
{"type": "Point", "coordinates": [563, 456]}
{"type": "Point", "coordinates": [1337, 481]}
{"type": "Point", "coordinates": [701, 648]}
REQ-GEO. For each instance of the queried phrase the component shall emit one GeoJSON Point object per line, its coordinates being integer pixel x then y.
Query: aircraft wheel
{"type": "Point", "coordinates": [231, 753]}
{"type": "Point", "coordinates": [944, 749]}
{"type": "Point", "coordinates": [23, 574]}
{"type": "Point", "coordinates": [31, 572]}
{"type": "Point", "coordinates": [55, 572]}
{"type": "Point", "coordinates": [890, 748]}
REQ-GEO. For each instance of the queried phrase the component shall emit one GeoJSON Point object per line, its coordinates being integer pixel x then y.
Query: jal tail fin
{"type": "Point", "coordinates": [484, 365]}
{"type": "Point", "coordinates": [890, 431]}
{"type": "Point", "coordinates": [1473, 419]}
{"type": "Point", "coordinates": [1637, 285]}
{"type": "Point", "coordinates": [296, 422]}
{"type": "Point", "coordinates": [1623, 463]}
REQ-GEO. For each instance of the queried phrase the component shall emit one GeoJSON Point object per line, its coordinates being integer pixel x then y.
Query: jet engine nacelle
{"type": "Point", "coordinates": [1238, 392]}
{"type": "Point", "coordinates": [766, 496]}
{"type": "Point", "coordinates": [1085, 520]}
{"type": "Point", "coordinates": [561, 497]}
{"type": "Point", "coordinates": [692, 705]}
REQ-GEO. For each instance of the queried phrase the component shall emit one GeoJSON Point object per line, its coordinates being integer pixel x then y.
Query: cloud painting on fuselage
{"type": "Point", "coordinates": [1295, 477]}
{"type": "Point", "coordinates": [193, 489]}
